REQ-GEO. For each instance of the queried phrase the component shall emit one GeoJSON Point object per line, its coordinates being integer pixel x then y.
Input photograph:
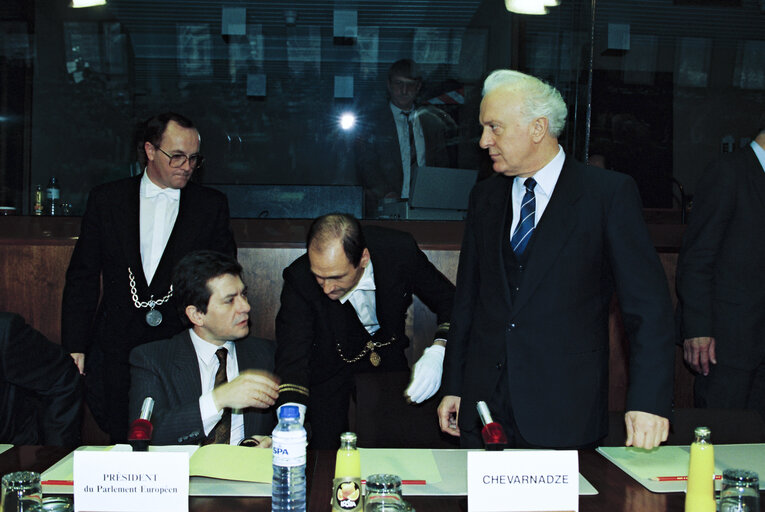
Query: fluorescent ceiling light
{"type": "Point", "coordinates": [525, 6]}
{"type": "Point", "coordinates": [87, 3]}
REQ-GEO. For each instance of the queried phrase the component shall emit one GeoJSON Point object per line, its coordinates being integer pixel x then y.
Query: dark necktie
{"type": "Point", "coordinates": [221, 432]}
{"type": "Point", "coordinates": [412, 146]}
{"type": "Point", "coordinates": [525, 226]}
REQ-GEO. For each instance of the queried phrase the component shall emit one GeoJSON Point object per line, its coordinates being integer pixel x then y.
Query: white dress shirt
{"type": "Point", "coordinates": [546, 178]}
{"type": "Point", "coordinates": [158, 211]}
{"type": "Point", "coordinates": [362, 298]}
{"type": "Point", "coordinates": [402, 128]}
{"type": "Point", "coordinates": [208, 367]}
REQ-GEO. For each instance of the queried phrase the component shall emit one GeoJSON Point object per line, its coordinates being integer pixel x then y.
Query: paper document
{"type": "Point", "coordinates": [229, 462]}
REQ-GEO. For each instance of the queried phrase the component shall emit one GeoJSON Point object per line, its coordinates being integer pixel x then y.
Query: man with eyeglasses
{"type": "Point", "coordinates": [118, 292]}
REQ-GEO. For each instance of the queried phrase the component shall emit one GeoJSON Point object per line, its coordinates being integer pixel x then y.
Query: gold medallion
{"type": "Point", "coordinates": [374, 358]}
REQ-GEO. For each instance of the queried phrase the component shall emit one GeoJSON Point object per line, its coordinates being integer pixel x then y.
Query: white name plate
{"type": "Point", "coordinates": [526, 480]}
{"type": "Point", "coordinates": [131, 482]}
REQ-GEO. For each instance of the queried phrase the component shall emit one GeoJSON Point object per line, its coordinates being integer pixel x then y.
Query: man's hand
{"type": "Point", "coordinates": [645, 430]}
{"type": "Point", "coordinates": [252, 388]}
{"type": "Point", "coordinates": [699, 352]}
{"type": "Point", "coordinates": [448, 414]}
{"type": "Point", "coordinates": [79, 360]}
{"type": "Point", "coordinates": [426, 374]}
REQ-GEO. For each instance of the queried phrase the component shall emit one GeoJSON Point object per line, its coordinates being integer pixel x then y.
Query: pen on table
{"type": "Point", "coordinates": [406, 482]}
{"type": "Point", "coordinates": [57, 482]}
{"type": "Point", "coordinates": [677, 478]}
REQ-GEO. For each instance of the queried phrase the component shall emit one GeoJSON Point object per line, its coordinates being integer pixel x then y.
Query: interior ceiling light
{"type": "Point", "coordinates": [87, 3]}
{"type": "Point", "coordinates": [527, 6]}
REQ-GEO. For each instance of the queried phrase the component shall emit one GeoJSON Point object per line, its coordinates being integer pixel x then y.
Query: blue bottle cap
{"type": "Point", "coordinates": [289, 411]}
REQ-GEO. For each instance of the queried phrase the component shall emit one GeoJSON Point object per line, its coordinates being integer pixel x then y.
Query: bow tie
{"type": "Point", "coordinates": [170, 193]}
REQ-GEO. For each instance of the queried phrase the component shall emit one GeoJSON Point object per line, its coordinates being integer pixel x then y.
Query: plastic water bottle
{"type": "Point", "coordinates": [289, 442]}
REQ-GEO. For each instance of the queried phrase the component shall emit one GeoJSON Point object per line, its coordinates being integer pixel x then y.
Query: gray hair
{"type": "Point", "coordinates": [540, 99]}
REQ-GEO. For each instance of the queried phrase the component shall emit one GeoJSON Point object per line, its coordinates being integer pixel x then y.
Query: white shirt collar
{"type": "Point", "coordinates": [365, 284]}
{"type": "Point", "coordinates": [206, 350]}
{"type": "Point", "coordinates": [547, 176]}
{"type": "Point", "coordinates": [149, 189]}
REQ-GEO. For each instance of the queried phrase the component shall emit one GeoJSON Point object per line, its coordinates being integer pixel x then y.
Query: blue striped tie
{"type": "Point", "coordinates": [525, 226]}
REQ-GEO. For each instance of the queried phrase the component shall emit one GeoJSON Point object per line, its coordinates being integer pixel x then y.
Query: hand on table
{"type": "Point", "coordinates": [645, 430]}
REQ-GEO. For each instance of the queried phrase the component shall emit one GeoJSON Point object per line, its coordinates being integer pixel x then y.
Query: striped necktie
{"type": "Point", "coordinates": [525, 226]}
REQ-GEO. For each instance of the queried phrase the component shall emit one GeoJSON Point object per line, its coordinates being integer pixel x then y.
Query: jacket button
{"type": "Point", "coordinates": [499, 366]}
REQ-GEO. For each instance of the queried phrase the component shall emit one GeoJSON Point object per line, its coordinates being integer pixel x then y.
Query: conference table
{"type": "Point", "coordinates": [616, 490]}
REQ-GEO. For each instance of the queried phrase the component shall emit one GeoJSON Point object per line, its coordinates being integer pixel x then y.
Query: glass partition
{"type": "Point", "coordinates": [293, 98]}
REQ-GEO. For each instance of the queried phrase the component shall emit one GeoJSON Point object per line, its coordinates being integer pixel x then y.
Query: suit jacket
{"type": "Point", "coordinates": [98, 315]}
{"type": "Point", "coordinates": [378, 154]}
{"type": "Point", "coordinates": [40, 392]}
{"type": "Point", "coordinates": [721, 269]}
{"type": "Point", "coordinates": [168, 371]}
{"type": "Point", "coordinates": [109, 244]}
{"type": "Point", "coordinates": [551, 342]}
{"type": "Point", "coordinates": [309, 325]}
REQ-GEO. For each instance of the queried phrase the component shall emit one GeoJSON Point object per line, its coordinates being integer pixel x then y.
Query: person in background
{"type": "Point", "coordinates": [721, 281]}
{"type": "Point", "coordinates": [399, 137]}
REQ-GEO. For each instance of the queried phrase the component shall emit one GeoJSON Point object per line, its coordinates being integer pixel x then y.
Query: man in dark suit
{"type": "Point", "coordinates": [384, 154]}
{"type": "Point", "coordinates": [540, 261]}
{"type": "Point", "coordinates": [721, 282]}
{"type": "Point", "coordinates": [343, 312]}
{"type": "Point", "coordinates": [40, 392]}
{"type": "Point", "coordinates": [117, 293]}
{"type": "Point", "coordinates": [210, 383]}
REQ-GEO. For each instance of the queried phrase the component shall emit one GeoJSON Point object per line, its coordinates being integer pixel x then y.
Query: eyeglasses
{"type": "Point", "coordinates": [195, 160]}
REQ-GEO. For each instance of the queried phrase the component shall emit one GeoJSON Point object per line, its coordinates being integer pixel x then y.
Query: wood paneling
{"type": "Point", "coordinates": [32, 279]}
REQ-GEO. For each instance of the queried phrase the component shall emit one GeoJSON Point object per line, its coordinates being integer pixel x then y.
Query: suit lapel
{"type": "Point", "coordinates": [388, 293]}
{"type": "Point", "coordinates": [756, 175]}
{"type": "Point", "coordinates": [494, 208]}
{"type": "Point", "coordinates": [552, 233]}
{"type": "Point", "coordinates": [186, 377]}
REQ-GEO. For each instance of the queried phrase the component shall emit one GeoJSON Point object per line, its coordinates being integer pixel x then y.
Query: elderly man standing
{"type": "Point", "coordinates": [117, 293]}
{"type": "Point", "coordinates": [547, 243]}
{"type": "Point", "coordinates": [343, 312]}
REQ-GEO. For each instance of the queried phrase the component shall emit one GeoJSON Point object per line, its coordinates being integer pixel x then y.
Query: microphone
{"type": "Point", "coordinates": [141, 429]}
{"type": "Point", "coordinates": [493, 435]}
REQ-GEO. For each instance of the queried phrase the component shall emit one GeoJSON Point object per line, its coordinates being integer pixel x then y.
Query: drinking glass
{"type": "Point", "coordinates": [22, 492]}
{"type": "Point", "coordinates": [740, 491]}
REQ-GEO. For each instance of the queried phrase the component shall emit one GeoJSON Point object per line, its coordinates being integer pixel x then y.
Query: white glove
{"type": "Point", "coordinates": [426, 374]}
{"type": "Point", "coordinates": [301, 408]}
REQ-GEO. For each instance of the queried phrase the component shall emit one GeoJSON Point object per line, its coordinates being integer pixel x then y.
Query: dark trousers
{"type": "Point", "coordinates": [731, 388]}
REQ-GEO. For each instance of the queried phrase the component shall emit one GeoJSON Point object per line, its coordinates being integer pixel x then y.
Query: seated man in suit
{"type": "Point", "coordinates": [210, 383]}
{"type": "Point", "coordinates": [343, 312]}
{"type": "Point", "coordinates": [40, 391]}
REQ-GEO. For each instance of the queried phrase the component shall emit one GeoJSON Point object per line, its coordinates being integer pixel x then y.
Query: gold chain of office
{"type": "Point", "coordinates": [370, 347]}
